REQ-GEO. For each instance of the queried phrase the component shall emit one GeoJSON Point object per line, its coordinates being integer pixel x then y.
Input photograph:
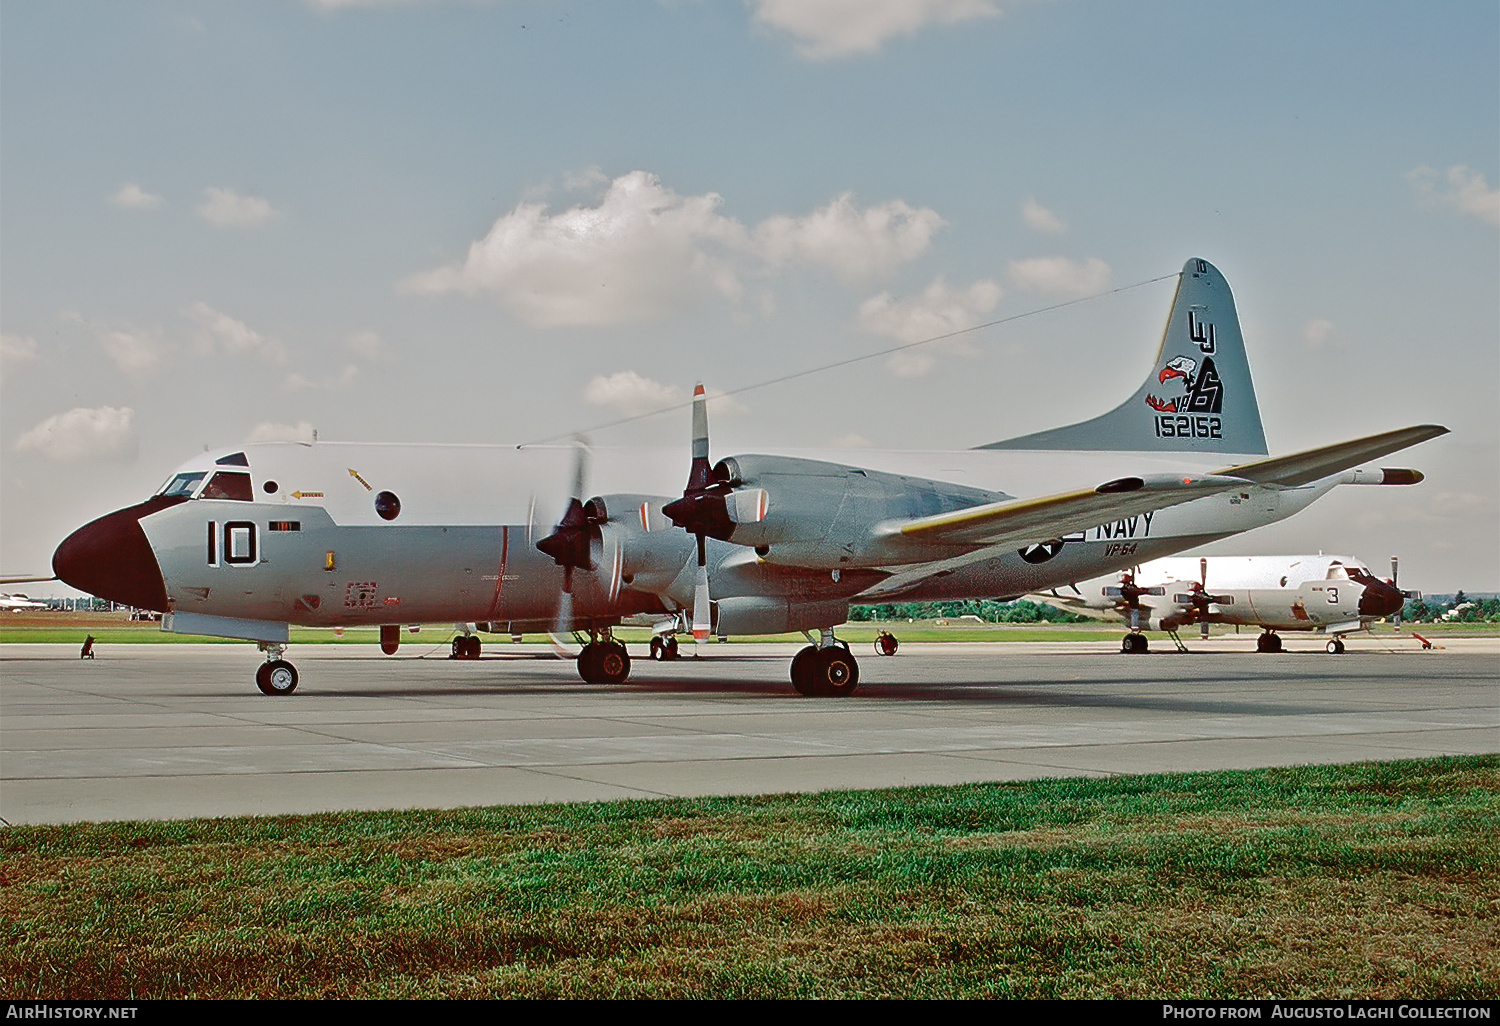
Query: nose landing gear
{"type": "Point", "coordinates": [276, 676]}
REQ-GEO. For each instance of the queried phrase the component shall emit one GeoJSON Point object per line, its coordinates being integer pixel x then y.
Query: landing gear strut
{"type": "Point", "coordinates": [828, 669]}
{"type": "Point", "coordinates": [276, 676]}
{"type": "Point", "coordinates": [1268, 642]}
{"type": "Point", "coordinates": [603, 660]}
{"type": "Point", "coordinates": [1135, 644]}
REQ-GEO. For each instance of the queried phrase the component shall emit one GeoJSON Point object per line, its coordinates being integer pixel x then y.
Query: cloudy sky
{"type": "Point", "coordinates": [472, 221]}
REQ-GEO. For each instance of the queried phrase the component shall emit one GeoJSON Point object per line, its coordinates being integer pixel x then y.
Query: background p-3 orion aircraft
{"type": "Point", "coordinates": [241, 543]}
{"type": "Point", "coordinates": [1333, 595]}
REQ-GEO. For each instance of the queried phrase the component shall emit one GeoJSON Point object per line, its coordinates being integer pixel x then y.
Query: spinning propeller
{"type": "Point", "coordinates": [583, 540]}
{"type": "Point", "coordinates": [1198, 599]}
{"type": "Point", "coordinates": [1130, 594]}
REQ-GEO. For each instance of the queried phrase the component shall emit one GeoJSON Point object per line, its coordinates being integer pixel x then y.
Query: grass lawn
{"type": "Point", "coordinates": [1369, 880]}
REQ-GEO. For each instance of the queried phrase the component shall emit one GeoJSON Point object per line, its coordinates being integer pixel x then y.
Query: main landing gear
{"type": "Point", "coordinates": [1336, 646]}
{"type": "Point", "coordinates": [603, 660]}
{"type": "Point", "coordinates": [276, 676]}
{"type": "Point", "coordinates": [1135, 643]}
{"type": "Point", "coordinates": [827, 669]}
{"type": "Point", "coordinates": [466, 646]}
{"type": "Point", "coordinates": [1269, 642]}
{"type": "Point", "coordinates": [663, 647]}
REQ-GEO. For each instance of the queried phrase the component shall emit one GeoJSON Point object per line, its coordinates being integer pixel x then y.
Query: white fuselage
{"type": "Point", "coordinates": [1278, 593]}
{"type": "Point", "coordinates": [306, 544]}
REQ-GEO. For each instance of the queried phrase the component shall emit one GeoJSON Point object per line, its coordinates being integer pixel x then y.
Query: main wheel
{"type": "Point", "coordinates": [832, 672]}
{"type": "Point", "coordinates": [837, 672]}
{"type": "Point", "coordinates": [472, 646]}
{"type": "Point", "coordinates": [613, 663]}
{"type": "Point", "coordinates": [801, 678]}
{"type": "Point", "coordinates": [1135, 644]}
{"type": "Point", "coordinates": [1268, 642]}
{"type": "Point", "coordinates": [669, 647]}
{"type": "Point", "coordinates": [278, 677]}
{"type": "Point", "coordinates": [604, 662]}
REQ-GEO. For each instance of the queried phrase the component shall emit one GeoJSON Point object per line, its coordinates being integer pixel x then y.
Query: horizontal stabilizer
{"type": "Point", "coordinates": [1315, 464]}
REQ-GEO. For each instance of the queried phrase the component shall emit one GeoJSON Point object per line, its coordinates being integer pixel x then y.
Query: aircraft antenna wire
{"type": "Point", "coordinates": [849, 361]}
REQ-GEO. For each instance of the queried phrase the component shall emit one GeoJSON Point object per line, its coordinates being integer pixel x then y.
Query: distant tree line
{"type": "Point", "coordinates": [1461, 609]}
{"type": "Point", "coordinates": [989, 611]}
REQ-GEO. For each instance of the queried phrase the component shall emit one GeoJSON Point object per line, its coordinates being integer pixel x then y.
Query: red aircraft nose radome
{"type": "Point", "coordinates": [1380, 598]}
{"type": "Point", "coordinates": [111, 558]}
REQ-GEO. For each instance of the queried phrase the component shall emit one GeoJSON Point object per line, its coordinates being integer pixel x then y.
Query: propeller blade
{"type": "Point", "coordinates": [1203, 572]}
{"type": "Point", "coordinates": [701, 611]}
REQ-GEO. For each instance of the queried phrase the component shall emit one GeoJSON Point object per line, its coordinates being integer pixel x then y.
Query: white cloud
{"type": "Point", "coordinates": [226, 208]}
{"type": "Point", "coordinates": [367, 345]}
{"type": "Point", "coordinates": [838, 28]}
{"type": "Point", "coordinates": [939, 310]}
{"type": "Point", "coordinates": [235, 337]}
{"type": "Point", "coordinates": [1039, 219]}
{"type": "Point", "coordinates": [630, 394]}
{"type": "Point", "coordinates": [132, 197]}
{"type": "Point", "coordinates": [82, 434]}
{"type": "Point", "coordinates": [297, 382]}
{"type": "Point", "coordinates": [1318, 334]}
{"type": "Point", "coordinates": [135, 352]}
{"type": "Point", "coordinates": [853, 440]}
{"type": "Point", "coordinates": [643, 252]}
{"type": "Point", "coordinates": [854, 244]}
{"type": "Point", "coordinates": [17, 351]}
{"type": "Point", "coordinates": [268, 431]}
{"type": "Point", "coordinates": [1462, 188]}
{"type": "Point", "coordinates": [1060, 275]}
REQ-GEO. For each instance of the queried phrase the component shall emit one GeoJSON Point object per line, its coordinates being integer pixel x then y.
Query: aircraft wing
{"type": "Point", "coordinates": [1023, 521]}
{"type": "Point", "coordinates": [1302, 468]}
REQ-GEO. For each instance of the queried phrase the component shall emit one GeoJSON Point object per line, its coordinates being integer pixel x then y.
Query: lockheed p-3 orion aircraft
{"type": "Point", "coordinates": [243, 542]}
{"type": "Point", "coordinates": [1331, 595]}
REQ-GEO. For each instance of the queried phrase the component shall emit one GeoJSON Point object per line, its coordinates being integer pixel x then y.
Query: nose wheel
{"type": "Point", "coordinates": [276, 677]}
{"type": "Point", "coordinates": [1336, 646]}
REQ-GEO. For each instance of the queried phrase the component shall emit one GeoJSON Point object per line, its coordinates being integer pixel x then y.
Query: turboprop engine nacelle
{"type": "Point", "coordinates": [810, 513]}
{"type": "Point", "coordinates": [651, 554]}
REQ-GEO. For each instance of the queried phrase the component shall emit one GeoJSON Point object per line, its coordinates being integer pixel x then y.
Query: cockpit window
{"type": "Point", "coordinates": [228, 484]}
{"type": "Point", "coordinates": [234, 459]}
{"type": "Point", "coordinates": [183, 484]}
{"type": "Point", "coordinates": [1336, 572]}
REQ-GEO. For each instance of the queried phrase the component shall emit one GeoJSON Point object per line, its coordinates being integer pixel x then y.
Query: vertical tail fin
{"type": "Point", "coordinates": [1198, 396]}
